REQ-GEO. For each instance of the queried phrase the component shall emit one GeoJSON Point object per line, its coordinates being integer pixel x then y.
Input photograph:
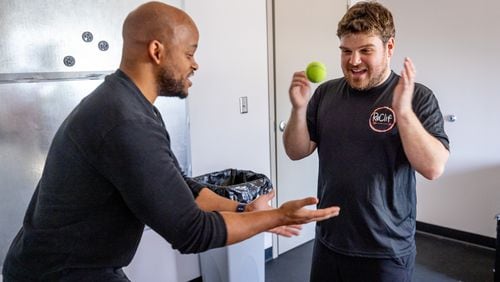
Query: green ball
{"type": "Point", "coordinates": [316, 72]}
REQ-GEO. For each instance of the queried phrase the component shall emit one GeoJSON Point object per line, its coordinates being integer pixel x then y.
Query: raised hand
{"type": "Point", "coordinates": [403, 93]}
{"type": "Point", "coordinates": [299, 90]}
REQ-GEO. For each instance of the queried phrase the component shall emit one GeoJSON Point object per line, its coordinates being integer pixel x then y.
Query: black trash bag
{"type": "Point", "coordinates": [239, 185]}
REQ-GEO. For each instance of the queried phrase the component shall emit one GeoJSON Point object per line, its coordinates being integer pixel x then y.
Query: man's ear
{"type": "Point", "coordinates": [155, 51]}
{"type": "Point", "coordinates": [390, 46]}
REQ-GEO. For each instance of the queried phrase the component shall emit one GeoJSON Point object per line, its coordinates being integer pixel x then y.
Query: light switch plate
{"type": "Point", "coordinates": [243, 105]}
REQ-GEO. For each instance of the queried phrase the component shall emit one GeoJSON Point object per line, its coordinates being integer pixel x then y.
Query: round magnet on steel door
{"type": "Point", "coordinates": [69, 61]}
{"type": "Point", "coordinates": [451, 118]}
{"type": "Point", "coordinates": [103, 45]}
{"type": "Point", "coordinates": [87, 36]}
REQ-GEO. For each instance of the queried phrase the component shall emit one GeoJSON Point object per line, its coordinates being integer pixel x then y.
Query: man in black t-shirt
{"type": "Point", "coordinates": [372, 129]}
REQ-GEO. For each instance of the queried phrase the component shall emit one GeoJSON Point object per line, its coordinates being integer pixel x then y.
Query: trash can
{"type": "Point", "coordinates": [244, 261]}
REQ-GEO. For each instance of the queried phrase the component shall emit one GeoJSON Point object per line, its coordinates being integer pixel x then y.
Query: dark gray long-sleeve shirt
{"type": "Point", "coordinates": [109, 171]}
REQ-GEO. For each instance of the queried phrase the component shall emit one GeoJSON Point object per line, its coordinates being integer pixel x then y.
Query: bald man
{"type": "Point", "coordinates": [110, 170]}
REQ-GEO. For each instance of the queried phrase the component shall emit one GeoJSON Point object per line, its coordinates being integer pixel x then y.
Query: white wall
{"type": "Point", "coordinates": [455, 47]}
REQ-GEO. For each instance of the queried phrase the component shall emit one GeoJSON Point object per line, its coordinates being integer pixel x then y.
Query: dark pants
{"type": "Point", "coordinates": [80, 275]}
{"type": "Point", "coordinates": [329, 266]}
{"type": "Point", "coordinates": [103, 274]}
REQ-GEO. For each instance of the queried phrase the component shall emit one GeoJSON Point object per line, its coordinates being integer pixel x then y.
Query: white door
{"type": "Point", "coordinates": [304, 31]}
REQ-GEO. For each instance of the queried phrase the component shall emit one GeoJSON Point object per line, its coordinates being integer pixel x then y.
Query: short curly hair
{"type": "Point", "coordinates": [367, 17]}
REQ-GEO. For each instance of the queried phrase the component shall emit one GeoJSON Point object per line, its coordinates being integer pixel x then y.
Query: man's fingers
{"type": "Point", "coordinates": [287, 231]}
{"type": "Point", "coordinates": [307, 201]}
{"type": "Point", "coordinates": [269, 196]}
{"type": "Point", "coordinates": [295, 226]}
{"type": "Point", "coordinates": [300, 75]}
{"type": "Point", "coordinates": [326, 213]}
{"type": "Point", "coordinates": [408, 72]}
{"type": "Point", "coordinates": [296, 212]}
{"type": "Point", "coordinates": [410, 66]}
{"type": "Point", "coordinates": [299, 79]}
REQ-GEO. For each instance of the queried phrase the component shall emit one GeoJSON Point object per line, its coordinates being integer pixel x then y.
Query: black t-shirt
{"type": "Point", "coordinates": [363, 167]}
{"type": "Point", "coordinates": [109, 171]}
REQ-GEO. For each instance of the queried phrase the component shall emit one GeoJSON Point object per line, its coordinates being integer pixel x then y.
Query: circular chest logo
{"type": "Point", "coordinates": [382, 119]}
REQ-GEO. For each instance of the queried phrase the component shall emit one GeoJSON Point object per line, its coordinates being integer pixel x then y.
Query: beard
{"type": "Point", "coordinates": [374, 80]}
{"type": "Point", "coordinates": [376, 75]}
{"type": "Point", "coordinates": [169, 86]}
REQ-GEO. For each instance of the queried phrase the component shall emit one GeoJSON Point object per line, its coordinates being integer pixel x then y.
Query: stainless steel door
{"type": "Point", "coordinates": [29, 116]}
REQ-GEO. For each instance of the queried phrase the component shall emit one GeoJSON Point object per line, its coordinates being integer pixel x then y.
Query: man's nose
{"type": "Point", "coordinates": [355, 59]}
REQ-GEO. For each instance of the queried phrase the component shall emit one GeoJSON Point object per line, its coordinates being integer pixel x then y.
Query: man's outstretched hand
{"type": "Point", "coordinates": [293, 211]}
{"type": "Point", "coordinates": [296, 213]}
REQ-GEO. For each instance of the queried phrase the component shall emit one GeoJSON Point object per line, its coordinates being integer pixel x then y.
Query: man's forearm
{"type": "Point", "coordinates": [296, 139]}
{"type": "Point", "coordinates": [426, 154]}
{"type": "Point", "coordinates": [208, 200]}
{"type": "Point", "coordinates": [241, 226]}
